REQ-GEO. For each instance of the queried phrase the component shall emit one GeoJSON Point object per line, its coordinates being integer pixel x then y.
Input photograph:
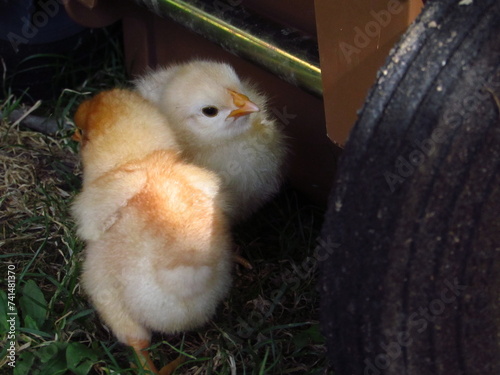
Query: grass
{"type": "Point", "coordinates": [267, 325]}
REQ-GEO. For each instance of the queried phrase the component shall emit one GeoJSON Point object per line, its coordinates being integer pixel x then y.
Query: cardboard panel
{"type": "Point", "coordinates": [355, 37]}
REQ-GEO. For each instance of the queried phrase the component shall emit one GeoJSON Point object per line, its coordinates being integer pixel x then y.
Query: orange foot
{"type": "Point", "coordinates": [243, 262]}
{"type": "Point", "coordinates": [240, 260]}
{"type": "Point", "coordinates": [170, 368]}
{"type": "Point", "coordinates": [140, 348]}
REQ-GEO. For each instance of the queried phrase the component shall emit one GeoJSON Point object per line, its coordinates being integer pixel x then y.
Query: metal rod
{"type": "Point", "coordinates": [286, 52]}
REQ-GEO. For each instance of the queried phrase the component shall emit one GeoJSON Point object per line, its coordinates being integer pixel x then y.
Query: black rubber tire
{"type": "Point", "coordinates": [410, 248]}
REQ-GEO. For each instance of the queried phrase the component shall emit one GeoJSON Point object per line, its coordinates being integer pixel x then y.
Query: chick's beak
{"type": "Point", "coordinates": [244, 104]}
{"type": "Point", "coordinates": [77, 135]}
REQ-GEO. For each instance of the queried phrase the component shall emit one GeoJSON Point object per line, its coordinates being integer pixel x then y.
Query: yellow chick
{"type": "Point", "coordinates": [221, 124]}
{"type": "Point", "coordinates": [157, 254]}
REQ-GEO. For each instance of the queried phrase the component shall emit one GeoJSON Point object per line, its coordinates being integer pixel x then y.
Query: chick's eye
{"type": "Point", "coordinates": [210, 111]}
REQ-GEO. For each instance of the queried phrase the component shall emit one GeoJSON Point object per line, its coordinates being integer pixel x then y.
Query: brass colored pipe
{"type": "Point", "coordinates": [283, 51]}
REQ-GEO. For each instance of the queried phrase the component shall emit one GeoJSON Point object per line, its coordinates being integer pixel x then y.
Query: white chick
{"type": "Point", "coordinates": [221, 124]}
{"type": "Point", "coordinates": [157, 254]}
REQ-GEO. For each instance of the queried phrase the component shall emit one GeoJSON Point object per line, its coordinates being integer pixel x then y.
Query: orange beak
{"type": "Point", "coordinates": [245, 105]}
{"type": "Point", "coordinates": [77, 135]}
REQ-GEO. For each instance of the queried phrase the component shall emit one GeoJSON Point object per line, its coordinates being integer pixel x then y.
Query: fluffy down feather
{"type": "Point", "coordinates": [222, 124]}
{"type": "Point", "coordinates": [157, 242]}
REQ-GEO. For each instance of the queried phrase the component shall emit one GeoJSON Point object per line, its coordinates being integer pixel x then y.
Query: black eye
{"type": "Point", "coordinates": [210, 111]}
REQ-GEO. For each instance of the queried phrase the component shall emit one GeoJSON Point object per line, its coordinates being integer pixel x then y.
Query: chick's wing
{"type": "Point", "coordinates": [98, 206]}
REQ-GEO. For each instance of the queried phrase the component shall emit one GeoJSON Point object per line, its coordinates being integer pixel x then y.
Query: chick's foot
{"type": "Point", "coordinates": [140, 348]}
{"type": "Point", "coordinates": [170, 368]}
{"type": "Point", "coordinates": [243, 262]}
